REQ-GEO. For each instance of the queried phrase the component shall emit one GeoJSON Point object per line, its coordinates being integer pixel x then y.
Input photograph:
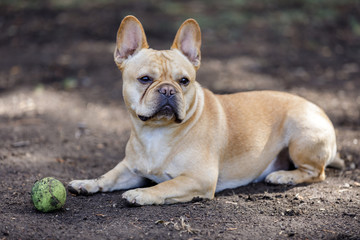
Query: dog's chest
{"type": "Point", "coordinates": [153, 160]}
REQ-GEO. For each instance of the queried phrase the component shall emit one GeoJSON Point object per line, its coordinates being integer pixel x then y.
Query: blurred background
{"type": "Point", "coordinates": [69, 42]}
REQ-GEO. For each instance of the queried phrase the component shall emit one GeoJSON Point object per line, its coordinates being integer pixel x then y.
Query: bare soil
{"type": "Point", "coordinates": [62, 115]}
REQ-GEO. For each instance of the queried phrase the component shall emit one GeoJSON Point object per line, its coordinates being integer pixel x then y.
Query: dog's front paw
{"type": "Point", "coordinates": [83, 187]}
{"type": "Point", "coordinates": [142, 197]}
{"type": "Point", "coordinates": [281, 177]}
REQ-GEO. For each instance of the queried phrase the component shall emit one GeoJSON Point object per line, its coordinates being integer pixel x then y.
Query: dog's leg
{"type": "Point", "coordinates": [312, 145]}
{"type": "Point", "coordinates": [310, 158]}
{"type": "Point", "coordinates": [118, 178]}
{"type": "Point", "coordinates": [180, 189]}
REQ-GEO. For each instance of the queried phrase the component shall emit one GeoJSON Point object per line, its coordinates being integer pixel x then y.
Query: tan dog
{"type": "Point", "coordinates": [194, 143]}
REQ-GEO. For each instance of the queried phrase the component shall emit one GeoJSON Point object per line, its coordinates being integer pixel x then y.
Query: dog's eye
{"type": "Point", "coordinates": [145, 79]}
{"type": "Point", "coordinates": [184, 81]}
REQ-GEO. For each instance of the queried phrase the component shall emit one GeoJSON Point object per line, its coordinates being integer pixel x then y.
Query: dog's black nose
{"type": "Point", "coordinates": [167, 90]}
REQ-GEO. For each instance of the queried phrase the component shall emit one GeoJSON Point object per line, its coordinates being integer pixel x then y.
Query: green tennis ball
{"type": "Point", "coordinates": [48, 194]}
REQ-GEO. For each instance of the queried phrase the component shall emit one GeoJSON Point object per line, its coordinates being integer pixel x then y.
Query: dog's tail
{"type": "Point", "coordinates": [337, 163]}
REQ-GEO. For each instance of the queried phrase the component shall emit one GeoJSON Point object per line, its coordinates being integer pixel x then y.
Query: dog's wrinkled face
{"type": "Point", "coordinates": [158, 86]}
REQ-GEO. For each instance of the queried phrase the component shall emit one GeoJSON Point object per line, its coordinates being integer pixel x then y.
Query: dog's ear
{"type": "Point", "coordinates": [188, 41]}
{"type": "Point", "coordinates": [130, 39]}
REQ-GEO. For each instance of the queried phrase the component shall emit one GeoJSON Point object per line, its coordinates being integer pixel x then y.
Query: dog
{"type": "Point", "coordinates": [194, 143]}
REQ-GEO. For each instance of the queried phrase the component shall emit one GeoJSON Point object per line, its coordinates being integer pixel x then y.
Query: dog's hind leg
{"type": "Point", "coordinates": [312, 147]}
{"type": "Point", "coordinates": [310, 162]}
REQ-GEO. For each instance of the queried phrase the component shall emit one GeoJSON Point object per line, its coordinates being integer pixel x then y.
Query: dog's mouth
{"type": "Point", "coordinates": [166, 111]}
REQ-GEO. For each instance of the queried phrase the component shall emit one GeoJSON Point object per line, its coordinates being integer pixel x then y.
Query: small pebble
{"type": "Point", "coordinates": [352, 166]}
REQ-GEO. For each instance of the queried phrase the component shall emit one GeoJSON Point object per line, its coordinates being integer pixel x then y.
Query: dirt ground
{"type": "Point", "coordinates": [62, 115]}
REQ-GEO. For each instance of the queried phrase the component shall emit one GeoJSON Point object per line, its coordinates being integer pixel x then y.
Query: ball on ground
{"type": "Point", "coordinates": [48, 194]}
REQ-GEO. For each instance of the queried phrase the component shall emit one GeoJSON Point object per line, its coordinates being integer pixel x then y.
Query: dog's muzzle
{"type": "Point", "coordinates": [167, 106]}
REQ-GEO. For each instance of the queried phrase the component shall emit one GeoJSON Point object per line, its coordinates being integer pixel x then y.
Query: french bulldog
{"type": "Point", "coordinates": [194, 143]}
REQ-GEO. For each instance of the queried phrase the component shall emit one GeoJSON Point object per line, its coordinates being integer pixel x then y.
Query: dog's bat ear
{"type": "Point", "coordinates": [130, 39]}
{"type": "Point", "coordinates": [188, 41]}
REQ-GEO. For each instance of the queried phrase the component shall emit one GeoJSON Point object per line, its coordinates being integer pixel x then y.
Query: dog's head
{"type": "Point", "coordinates": [158, 86]}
